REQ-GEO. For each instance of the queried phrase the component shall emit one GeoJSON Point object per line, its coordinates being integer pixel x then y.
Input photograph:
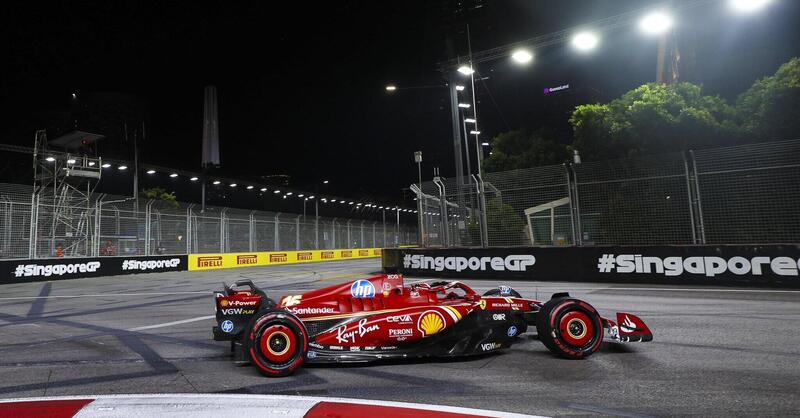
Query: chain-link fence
{"type": "Point", "coordinates": [742, 194]}
{"type": "Point", "coordinates": [59, 223]}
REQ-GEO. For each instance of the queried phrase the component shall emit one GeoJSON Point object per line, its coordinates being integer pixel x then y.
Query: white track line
{"type": "Point", "coordinates": [215, 405]}
{"type": "Point", "coordinates": [109, 294]}
{"type": "Point", "coordinates": [169, 324]}
{"type": "Point", "coordinates": [668, 289]}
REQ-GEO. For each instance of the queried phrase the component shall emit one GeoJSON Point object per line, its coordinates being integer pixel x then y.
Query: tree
{"type": "Point", "coordinates": [653, 118]}
{"type": "Point", "coordinates": [524, 149]}
{"type": "Point", "coordinates": [769, 109]}
{"type": "Point", "coordinates": [158, 193]}
{"type": "Point", "coordinates": [505, 225]}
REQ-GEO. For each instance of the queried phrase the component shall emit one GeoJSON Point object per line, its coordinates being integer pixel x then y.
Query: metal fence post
{"type": "Point", "coordinates": [579, 232]}
{"type": "Point", "coordinates": [333, 234]}
{"type": "Point", "coordinates": [349, 237]}
{"type": "Point", "coordinates": [251, 231]}
{"type": "Point", "coordinates": [277, 232]}
{"type": "Point", "coordinates": [316, 232]}
{"type": "Point", "coordinates": [223, 231]}
{"type": "Point", "coordinates": [699, 201]}
{"type": "Point", "coordinates": [32, 227]}
{"type": "Point", "coordinates": [374, 233]}
{"type": "Point", "coordinates": [189, 233]}
{"type": "Point", "coordinates": [691, 200]}
{"type": "Point", "coordinates": [147, 231]}
{"type": "Point", "coordinates": [571, 207]}
{"type": "Point", "coordinates": [361, 242]}
{"type": "Point", "coordinates": [297, 232]}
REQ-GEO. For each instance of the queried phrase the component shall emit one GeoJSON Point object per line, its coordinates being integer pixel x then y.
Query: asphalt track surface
{"type": "Point", "coordinates": [717, 352]}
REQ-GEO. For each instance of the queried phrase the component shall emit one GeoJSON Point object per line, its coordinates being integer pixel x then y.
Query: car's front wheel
{"type": "Point", "coordinates": [276, 342]}
{"type": "Point", "coordinates": [570, 328]}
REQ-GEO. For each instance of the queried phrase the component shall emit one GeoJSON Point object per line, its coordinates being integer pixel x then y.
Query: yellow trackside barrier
{"type": "Point", "coordinates": [233, 260]}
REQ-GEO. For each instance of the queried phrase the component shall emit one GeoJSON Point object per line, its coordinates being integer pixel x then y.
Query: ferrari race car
{"type": "Point", "coordinates": [380, 317]}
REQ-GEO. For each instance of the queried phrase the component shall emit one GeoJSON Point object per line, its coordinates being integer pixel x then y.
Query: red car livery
{"type": "Point", "coordinates": [380, 317]}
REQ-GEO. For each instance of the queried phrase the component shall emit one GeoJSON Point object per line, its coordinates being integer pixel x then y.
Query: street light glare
{"type": "Point", "coordinates": [216, 182]}
{"type": "Point", "coordinates": [193, 179]}
{"type": "Point", "coordinates": [464, 105]}
{"type": "Point", "coordinates": [485, 144]}
{"type": "Point", "coordinates": [276, 191]}
{"type": "Point", "coordinates": [522, 56]}
{"type": "Point", "coordinates": [391, 88]}
{"type": "Point", "coordinates": [263, 189]}
{"type": "Point", "coordinates": [51, 159]}
{"type": "Point", "coordinates": [656, 23]}
{"type": "Point", "coordinates": [460, 88]}
{"type": "Point", "coordinates": [122, 167]}
{"type": "Point", "coordinates": [173, 175]}
{"type": "Point", "coordinates": [249, 187]}
{"type": "Point", "coordinates": [106, 165]}
{"type": "Point", "coordinates": [748, 5]}
{"type": "Point", "coordinates": [71, 161]}
{"type": "Point", "coordinates": [585, 41]}
{"type": "Point", "coordinates": [475, 132]}
{"type": "Point", "coordinates": [151, 171]}
{"type": "Point", "coordinates": [469, 120]}
{"type": "Point", "coordinates": [466, 70]}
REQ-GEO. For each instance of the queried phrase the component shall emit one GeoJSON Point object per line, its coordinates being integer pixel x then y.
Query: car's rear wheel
{"type": "Point", "coordinates": [570, 328]}
{"type": "Point", "coordinates": [276, 342]}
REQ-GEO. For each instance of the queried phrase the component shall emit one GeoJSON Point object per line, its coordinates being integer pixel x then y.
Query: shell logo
{"type": "Point", "coordinates": [223, 303]}
{"type": "Point", "coordinates": [430, 323]}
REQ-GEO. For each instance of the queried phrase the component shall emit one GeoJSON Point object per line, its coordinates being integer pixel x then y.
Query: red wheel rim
{"type": "Point", "coordinates": [576, 328]}
{"type": "Point", "coordinates": [277, 343]}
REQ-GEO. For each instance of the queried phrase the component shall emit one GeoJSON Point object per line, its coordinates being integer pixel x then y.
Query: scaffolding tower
{"type": "Point", "coordinates": [62, 208]}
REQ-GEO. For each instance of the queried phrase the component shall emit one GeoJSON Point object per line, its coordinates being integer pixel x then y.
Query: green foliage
{"type": "Point", "coordinates": [657, 118]}
{"type": "Point", "coordinates": [653, 118]}
{"type": "Point", "coordinates": [522, 149]}
{"type": "Point", "coordinates": [158, 193]}
{"type": "Point", "coordinates": [506, 226]}
{"type": "Point", "coordinates": [769, 109]}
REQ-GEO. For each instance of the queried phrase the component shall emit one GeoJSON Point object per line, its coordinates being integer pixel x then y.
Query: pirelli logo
{"type": "Point", "coordinates": [347, 253]}
{"type": "Point", "coordinates": [305, 256]}
{"type": "Point", "coordinates": [376, 251]}
{"type": "Point", "coordinates": [326, 255]}
{"type": "Point", "coordinates": [278, 258]}
{"type": "Point", "coordinates": [363, 253]}
{"type": "Point", "coordinates": [212, 261]}
{"type": "Point", "coordinates": [246, 259]}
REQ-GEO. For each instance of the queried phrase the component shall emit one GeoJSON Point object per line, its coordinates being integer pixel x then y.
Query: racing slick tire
{"type": "Point", "coordinates": [276, 342]}
{"type": "Point", "coordinates": [570, 328]}
{"type": "Point", "coordinates": [497, 292]}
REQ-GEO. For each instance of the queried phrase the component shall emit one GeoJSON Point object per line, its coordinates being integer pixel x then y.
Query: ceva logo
{"type": "Point", "coordinates": [362, 289]}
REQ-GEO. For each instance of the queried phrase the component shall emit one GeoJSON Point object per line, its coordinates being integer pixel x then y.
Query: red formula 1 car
{"type": "Point", "coordinates": [381, 318]}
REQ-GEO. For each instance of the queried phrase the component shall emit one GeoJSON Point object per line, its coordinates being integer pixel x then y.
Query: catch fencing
{"type": "Point", "coordinates": [53, 224]}
{"type": "Point", "coordinates": [744, 194]}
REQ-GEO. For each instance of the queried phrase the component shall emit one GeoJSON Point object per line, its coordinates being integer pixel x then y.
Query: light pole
{"type": "Point", "coordinates": [453, 88]}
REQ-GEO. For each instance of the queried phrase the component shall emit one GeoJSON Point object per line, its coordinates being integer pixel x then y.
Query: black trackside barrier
{"type": "Point", "coordinates": [713, 265]}
{"type": "Point", "coordinates": [23, 271]}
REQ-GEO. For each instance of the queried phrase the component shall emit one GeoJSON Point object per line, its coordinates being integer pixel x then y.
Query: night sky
{"type": "Point", "coordinates": [301, 84]}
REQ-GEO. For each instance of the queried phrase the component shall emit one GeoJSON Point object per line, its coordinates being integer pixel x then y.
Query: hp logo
{"type": "Point", "coordinates": [362, 289]}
